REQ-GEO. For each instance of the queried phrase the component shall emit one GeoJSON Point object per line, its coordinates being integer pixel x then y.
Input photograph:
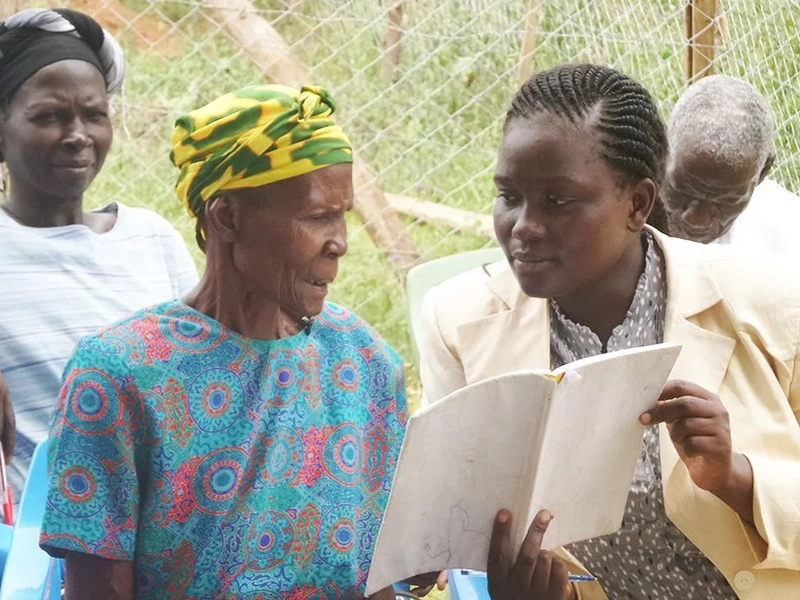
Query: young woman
{"type": "Point", "coordinates": [578, 173]}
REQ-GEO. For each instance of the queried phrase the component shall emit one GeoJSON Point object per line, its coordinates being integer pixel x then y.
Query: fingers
{"type": "Point", "coordinates": [423, 584]}
{"type": "Point", "coordinates": [8, 424]}
{"type": "Point", "coordinates": [540, 584]}
{"type": "Point", "coordinates": [684, 430]}
{"type": "Point", "coordinates": [675, 388]}
{"type": "Point", "coordinates": [550, 577]}
{"type": "Point", "coordinates": [559, 577]}
{"type": "Point", "coordinates": [708, 446]}
{"type": "Point", "coordinates": [441, 581]}
{"type": "Point", "coordinates": [529, 552]}
{"type": "Point", "coordinates": [535, 573]}
{"type": "Point", "coordinates": [499, 562]}
{"type": "Point", "coordinates": [669, 411]}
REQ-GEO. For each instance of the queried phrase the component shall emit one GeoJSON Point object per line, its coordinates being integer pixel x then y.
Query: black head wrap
{"type": "Point", "coordinates": [34, 38]}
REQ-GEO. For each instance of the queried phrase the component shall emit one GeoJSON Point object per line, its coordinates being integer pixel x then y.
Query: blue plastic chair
{"type": "Point", "coordinates": [29, 572]}
{"type": "Point", "coordinates": [467, 585]}
{"type": "Point", "coordinates": [6, 531]}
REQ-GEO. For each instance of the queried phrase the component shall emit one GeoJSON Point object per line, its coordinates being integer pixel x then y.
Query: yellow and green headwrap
{"type": "Point", "coordinates": [254, 136]}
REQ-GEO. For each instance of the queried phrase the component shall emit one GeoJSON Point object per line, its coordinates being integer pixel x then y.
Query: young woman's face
{"type": "Point", "coordinates": [56, 132]}
{"type": "Point", "coordinates": [562, 215]}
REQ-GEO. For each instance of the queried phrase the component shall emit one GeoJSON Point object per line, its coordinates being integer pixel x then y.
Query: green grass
{"type": "Point", "coordinates": [433, 133]}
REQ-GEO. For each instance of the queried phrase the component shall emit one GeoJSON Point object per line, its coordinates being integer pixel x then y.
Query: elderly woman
{"type": "Point", "coordinates": [712, 511]}
{"type": "Point", "coordinates": [238, 443]}
{"type": "Point", "coordinates": [65, 272]}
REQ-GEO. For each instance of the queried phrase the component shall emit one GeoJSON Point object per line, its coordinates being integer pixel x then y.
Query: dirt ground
{"type": "Point", "coordinates": [147, 31]}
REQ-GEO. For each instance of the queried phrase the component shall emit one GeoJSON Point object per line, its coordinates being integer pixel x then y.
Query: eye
{"type": "Point", "coordinates": [726, 208]}
{"type": "Point", "coordinates": [98, 115]}
{"type": "Point", "coordinates": [559, 202]}
{"type": "Point", "coordinates": [321, 217]}
{"type": "Point", "coordinates": [508, 199]}
{"type": "Point", "coordinates": [49, 116]}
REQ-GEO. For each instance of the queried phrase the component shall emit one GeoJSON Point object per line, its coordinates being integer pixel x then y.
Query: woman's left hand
{"type": "Point", "coordinates": [699, 427]}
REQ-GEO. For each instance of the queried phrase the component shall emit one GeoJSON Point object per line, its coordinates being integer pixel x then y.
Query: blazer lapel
{"type": "Point", "coordinates": [509, 340]}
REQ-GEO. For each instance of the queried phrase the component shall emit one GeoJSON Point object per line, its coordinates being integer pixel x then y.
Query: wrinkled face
{"type": "Point", "coordinates": [290, 236]}
{"type": "Point", "coordinates": [561, 215]}
{"type": "Point", "coordinates": [703, 197]}
{"type": "Point", "coordinates": [56, 133]}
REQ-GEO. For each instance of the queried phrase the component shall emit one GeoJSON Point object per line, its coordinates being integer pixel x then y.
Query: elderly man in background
{"type": "Point", "coordinates": [721, 150]}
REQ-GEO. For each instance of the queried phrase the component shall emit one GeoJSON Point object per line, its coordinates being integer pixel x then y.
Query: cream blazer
{"type": "Point", "coordinates": [738, 320]}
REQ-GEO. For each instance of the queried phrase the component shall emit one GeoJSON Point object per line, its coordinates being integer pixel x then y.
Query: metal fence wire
{"type": "Point", "coordinates": [422, 88]}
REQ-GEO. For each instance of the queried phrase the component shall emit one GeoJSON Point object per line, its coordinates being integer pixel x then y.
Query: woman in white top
{"type": "Point", "coordinates": [64, 272]}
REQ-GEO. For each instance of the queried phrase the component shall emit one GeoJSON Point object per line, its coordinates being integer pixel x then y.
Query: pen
{"type": "Point", "coordinates": [579, 578]}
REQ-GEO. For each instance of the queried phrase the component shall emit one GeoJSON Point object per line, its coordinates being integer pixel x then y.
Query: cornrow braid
{"type": "Point", "coordinates": [632, 135]}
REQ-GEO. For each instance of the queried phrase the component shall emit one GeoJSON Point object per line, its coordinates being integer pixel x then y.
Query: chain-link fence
{"type": "Point", "coordinates": [422, 87]}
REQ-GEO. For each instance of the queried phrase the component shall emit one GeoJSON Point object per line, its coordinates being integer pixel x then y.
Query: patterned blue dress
{"type": "Point", "coordinates": [227, 467]}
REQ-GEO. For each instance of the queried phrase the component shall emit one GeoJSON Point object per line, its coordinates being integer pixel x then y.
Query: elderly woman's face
{"type": "Point", "coordinates": [290, 236]}
{"type": "Point", "coordinates": [56, 132]}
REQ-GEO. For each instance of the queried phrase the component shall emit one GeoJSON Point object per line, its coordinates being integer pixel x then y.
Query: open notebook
{"type": "Point", "coordinates": [567, 441]}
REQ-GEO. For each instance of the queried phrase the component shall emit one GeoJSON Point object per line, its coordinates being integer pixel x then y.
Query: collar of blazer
{"type": "Point", "coordinates": [692, 292]}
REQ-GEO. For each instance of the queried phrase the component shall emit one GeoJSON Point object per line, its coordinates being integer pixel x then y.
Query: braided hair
{"type": "Point", "coordinates": [632, 136]}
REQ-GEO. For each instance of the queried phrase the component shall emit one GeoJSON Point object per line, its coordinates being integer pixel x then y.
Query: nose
{"type": "Point", "coordinates": [337, 244]}
{"type": "Point", "coordinates": [77, 134]}
{"type": "Point", "coordinates": [528, 225]}
{"type": "Point", "coordinates": [697, 216]}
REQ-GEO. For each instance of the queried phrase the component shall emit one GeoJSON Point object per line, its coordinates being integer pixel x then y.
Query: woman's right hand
{"type": "Point", "coordinates": [8, 423]}
{"type": "Point", "coordinates": [536, 574]}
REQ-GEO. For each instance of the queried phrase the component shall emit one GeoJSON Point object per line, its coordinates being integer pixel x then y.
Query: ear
{"type": "Point", "coordinates": [221, 218]}
{"type": "Point", "coordinates": [767, 167]}
{"type": "Point", "coordinates": [642, 198]}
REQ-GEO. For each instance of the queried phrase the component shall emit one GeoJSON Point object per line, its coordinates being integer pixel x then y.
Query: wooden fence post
{"type": "Point", "coordinates": [530, 37]}
{"type": "Point", "coordinates": [701, 33]}
{"type": "Point", "coordinates": [275, 58]}
{"type": "Point", "coordinates": [393, 43]}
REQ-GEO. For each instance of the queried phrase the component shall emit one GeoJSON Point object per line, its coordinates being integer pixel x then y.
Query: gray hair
{"type": "Point", "coordinates": [726, 118]}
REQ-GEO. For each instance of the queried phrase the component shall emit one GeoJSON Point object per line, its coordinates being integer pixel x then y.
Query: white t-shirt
{"type": "Point", "coordinates": [771, 221]}
{"type": "Point", "coordinates": [58, 284]}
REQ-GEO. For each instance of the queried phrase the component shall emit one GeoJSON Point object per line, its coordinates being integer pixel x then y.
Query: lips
{"type": "Point", "coordinates": [76, 166]}
{"type": "Point", "coordinates": [319, 285]}
{"type": "Point", "coordinates": [530, 263]}
{"type": "Point", "coordinates": [530, 258]}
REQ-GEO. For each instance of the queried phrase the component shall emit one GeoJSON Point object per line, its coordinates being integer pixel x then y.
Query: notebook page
{"type": "Point", "coordinates": [463, 459]}
{"type": "Point", "coordinates": [592, 440]}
